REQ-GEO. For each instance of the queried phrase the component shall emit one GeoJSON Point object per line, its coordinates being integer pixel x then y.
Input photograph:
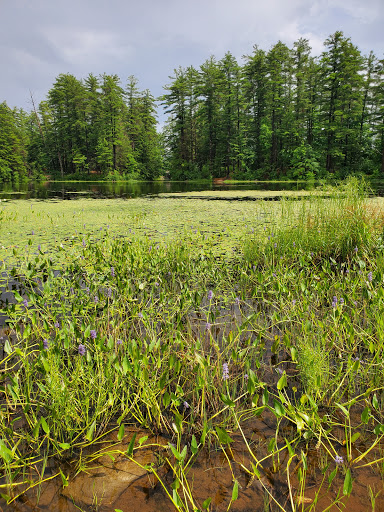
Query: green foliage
{"type": "Point", "coordinates": [282, 114]}
{"type": "Point", "coordinates": [13, 166]}
{"type": "Point", "coordinates": [95, 127]}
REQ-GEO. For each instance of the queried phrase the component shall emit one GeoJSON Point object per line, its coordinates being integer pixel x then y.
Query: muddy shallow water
{"type": "Point", "coordinates": [111, 481]}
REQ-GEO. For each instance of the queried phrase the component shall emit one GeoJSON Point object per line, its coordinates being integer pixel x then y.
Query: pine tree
{"type": "Point", "coordinates": [13, 165]}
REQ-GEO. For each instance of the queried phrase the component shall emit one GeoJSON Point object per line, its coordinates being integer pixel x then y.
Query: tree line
{"type": "Point", "coordinates": [280, 114]}
{"type": "Point", "coordinates": [92, 126]}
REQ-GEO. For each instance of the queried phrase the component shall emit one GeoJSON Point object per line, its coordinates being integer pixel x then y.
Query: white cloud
{"type": "Point", "coordinates": [87, 47]}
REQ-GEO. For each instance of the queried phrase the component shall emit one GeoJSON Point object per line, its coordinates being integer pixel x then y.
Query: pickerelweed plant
{"type": "Point", "coordinates": [176, 337]}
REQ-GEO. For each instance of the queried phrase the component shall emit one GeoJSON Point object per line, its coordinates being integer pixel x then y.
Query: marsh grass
{"type": "Point", "coordinates": [193, 335]}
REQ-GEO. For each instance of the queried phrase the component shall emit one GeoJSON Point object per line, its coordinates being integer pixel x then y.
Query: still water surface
{"type": "Point", "coordinates": [127, 189]}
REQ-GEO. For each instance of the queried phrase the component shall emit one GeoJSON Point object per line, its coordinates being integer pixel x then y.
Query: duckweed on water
{"type": "Point", "coordinates": [191, 340]}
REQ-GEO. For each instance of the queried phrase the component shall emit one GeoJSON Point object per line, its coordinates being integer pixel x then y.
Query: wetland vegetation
{"type": "Point", "coordinates": [217, 354]}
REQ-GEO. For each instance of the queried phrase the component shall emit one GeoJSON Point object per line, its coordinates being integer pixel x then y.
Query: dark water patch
{"type": "Point", "coordinates": [66, 190]}
{"type": "Point", "coordinates": [99, 190]}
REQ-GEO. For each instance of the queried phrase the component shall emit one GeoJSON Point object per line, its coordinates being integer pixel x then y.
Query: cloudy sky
{"type": "Point", "coordinates": [39, 39]}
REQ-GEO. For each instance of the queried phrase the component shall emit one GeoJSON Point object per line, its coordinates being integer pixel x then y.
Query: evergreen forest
{"type": "Point", "coordinates": [279, 114]}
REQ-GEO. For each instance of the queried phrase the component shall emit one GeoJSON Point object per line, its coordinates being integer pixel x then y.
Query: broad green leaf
{"type": "Point", "coordinates": [294, 354]}
{"type": "Point", "coordinates": [64, 479]}
{"type": "Point", "coordinates": [206, 503]}
{"type": "Point", "coordinates": [255, 470]}
{"type": "Point", "coordinates": [223, 436]}
{"type": "Point", "coordinates": [194, 445]}
{"type": "Point", "coordinates": [279, 408]}
{"type": "Point", "coordinates": [227, 400]}
{"type": "Point", "coordinates": [345, 411]}
{"type": "Point", "coordinates": [347, 487]}
{"type": "Point", "coordinates": [87, 331]}
{"type": "Point", "coordinates": [365, 415]}
{"type": "Point", "coordinates": [44, 425]}
{"type": "Point", "coordinates": [235, 491]}
{"type": "Point", "coordinates": [7, 347]}
{"type": "Point", "coordinates": [142, 440]}
{"type": "Point", "coordinates": [89, 434]}
{"type": "Point", "coordinates": [65, 446]}
{"type": "Point", "coordinates": [265, 397]}
{"type": "Point", "coordinates": [131, 445]}
{"type": "Point", "coordinates": [289, 447]}
{"type": "Point", "coordinates": [332, 476]}
{"type": "Point", "coordinates": [271, 445]}
{"type": "Point", "coordinates": [121, 432]}
{"type": "Point", "coordinates": [304, 460]}
{"type": "Point", "coordinates": [282, 382]}
{"type": "Point", "coordinates": [5, 452]}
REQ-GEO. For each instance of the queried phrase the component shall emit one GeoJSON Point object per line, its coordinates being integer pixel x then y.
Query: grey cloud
{"type": "Point", "coordinates": [149, 38]}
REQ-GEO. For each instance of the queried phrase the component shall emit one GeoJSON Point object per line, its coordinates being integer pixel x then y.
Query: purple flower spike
{"type": "Point", "coordinates": [208, 326]}
{"type": "Point", "coordinates": [186, 405]}
{"type": "Point", "coordinates": [339, 459]}
{"type": "Point", "coordinates": [370, 277]}
{"type": "Point", "coordinates": [237, 301]}
{"type": "Point", "coordinates": [93, 334]}
{"type": "Point", "coordinates": [355, 249]}
{"type": "Point", "coordinates": [57, 325]}
{"type": "Point", "coordinates": [119, 342]}
{"type": "Point", "coordinates": [81, 350]}
{"type": "Point", "coordinates": [45, 344]}
{"type": "Point", "coordinates": [25, 302]}
{"type": "Point", "coordinates": [109, 293]}
{"type": "Point", "coordinates": [113, 271]}
{"type": "Point", "coordinates": [225, 371]}
{"type": "Point", "coordinates": [84, 243]}
{"type": "Point", "coordinates": [210, 295]}
{"type": "Point", "coordinates": [140, 315]}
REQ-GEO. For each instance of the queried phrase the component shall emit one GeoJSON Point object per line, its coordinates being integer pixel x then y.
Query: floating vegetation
{"type": "Point", "coordinates": [243, 350]}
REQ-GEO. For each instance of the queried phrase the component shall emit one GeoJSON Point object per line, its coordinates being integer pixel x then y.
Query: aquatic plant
{"type": "Point", "coordinates": [197, 338]}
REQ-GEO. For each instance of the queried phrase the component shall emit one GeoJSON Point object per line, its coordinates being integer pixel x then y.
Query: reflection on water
{"type": "Point", "coordinates": [127, 189]}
